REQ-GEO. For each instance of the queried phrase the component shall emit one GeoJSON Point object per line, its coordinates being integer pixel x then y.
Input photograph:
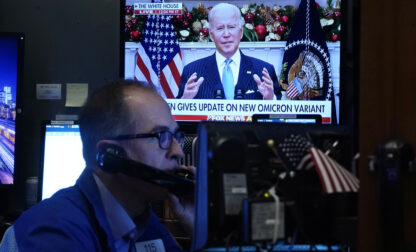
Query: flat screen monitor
{"type": "Point", "coordinates": [287, 118]}
{"type": "Point", "coordinates": [237, 164]}
{"type": "Point", "coordinates": [11, 61]}
{"type": "Point", "coordinates": [62, 160]}
{"type": "Point", "coordinates": [159, 41]}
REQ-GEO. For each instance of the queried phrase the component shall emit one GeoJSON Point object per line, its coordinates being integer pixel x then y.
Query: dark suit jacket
{"type": "Point", "coordinates": [207, 68]}
{"type": "Point", "coordinates": [74, 219]}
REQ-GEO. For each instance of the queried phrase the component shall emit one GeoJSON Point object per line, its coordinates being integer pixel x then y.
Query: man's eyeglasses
{"type": "Point", "coordinates": [165, 137]}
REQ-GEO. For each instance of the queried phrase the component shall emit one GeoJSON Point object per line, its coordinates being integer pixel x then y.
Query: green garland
{"type": "Point", "coordinates": [262, 23]}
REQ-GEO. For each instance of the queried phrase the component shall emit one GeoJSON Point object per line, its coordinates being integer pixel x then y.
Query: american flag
{"type": "Point", "coordinates": [159, 59]}
{"type": "Point", "coordinates": [298, 153]}
{"type": "Point", "coordinates": [294, 89]}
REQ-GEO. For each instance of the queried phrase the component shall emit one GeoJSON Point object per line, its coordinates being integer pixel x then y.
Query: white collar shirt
{"type": "Point", "coordinates": [234, 65]}
{"type": "Point", "coordinates": [121, 224]}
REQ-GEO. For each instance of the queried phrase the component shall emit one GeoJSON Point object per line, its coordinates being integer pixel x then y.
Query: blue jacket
{"type": "Point", "coordinates": [207, 68]}
{"type": "Point", "coordinates": [74, 220]}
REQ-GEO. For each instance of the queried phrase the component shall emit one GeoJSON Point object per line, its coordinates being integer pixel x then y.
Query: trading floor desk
{"type": "Point", "coordinates": [278, 247]}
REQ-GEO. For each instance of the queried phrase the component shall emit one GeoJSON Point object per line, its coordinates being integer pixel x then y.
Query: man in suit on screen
{"type": "Point", "coordinates": [228, 73]}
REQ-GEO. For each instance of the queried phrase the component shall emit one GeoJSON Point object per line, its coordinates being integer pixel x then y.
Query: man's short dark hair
{"type": "Point", "coordinates": [106, 114]}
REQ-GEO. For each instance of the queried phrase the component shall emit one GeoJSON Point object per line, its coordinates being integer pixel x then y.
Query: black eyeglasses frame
{"type": "Point", "coordinates": [178, 135]}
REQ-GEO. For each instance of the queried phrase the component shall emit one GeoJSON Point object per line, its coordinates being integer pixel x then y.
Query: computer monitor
{"type": "Point", "coordinates": [11, 62]}
{"type": "Point", "coordinates": [62, 159]}
{"type": "Point", "coordinates": [237, 164]}
{"type": "Point", "coordinates": [287, 118]}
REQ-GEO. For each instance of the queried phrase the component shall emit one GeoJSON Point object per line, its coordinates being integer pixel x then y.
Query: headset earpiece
{"type": "Point", "coordinates": [113, 159]}
{"type": "Point", "coordinates": [109, 149]}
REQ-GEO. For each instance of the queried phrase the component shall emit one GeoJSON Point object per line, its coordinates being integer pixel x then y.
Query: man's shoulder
{"type": "Point", "coordinates": [66, 205]}
{"type": "Point", "coordinates": [201, 61]}
{"type": "Point", "coordinates": [256, 61]}
{"type": "Point", "coordinates": [64, 220]}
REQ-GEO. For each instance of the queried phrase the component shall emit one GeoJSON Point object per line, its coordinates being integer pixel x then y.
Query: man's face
{"type": "Point", "coordinates": [225, 31]}
{"type": "Point", "coordinates": [152, 115]}
{"type": "Point", "coordinates": [149, 114]}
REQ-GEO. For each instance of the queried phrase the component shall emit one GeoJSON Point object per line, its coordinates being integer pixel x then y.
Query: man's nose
{"type": "Point", "coordinates": [176, 150]}
{"type": "Point", "coordinates": [226, 32]}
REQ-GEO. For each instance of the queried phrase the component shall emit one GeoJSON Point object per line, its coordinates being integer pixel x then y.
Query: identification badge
{"type": "Point", "coordinates": [151, 246]}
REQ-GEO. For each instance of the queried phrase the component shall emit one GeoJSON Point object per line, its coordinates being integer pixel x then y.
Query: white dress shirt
{"type": "Point", "coordinates": [121, 224]}
{"type": "Point", "coordinates": [234, 65]}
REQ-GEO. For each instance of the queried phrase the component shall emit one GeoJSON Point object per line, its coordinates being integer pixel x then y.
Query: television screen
{"type": "Point", "coordinates": [298, 42]}
{"type": "Point", "coordinates": [11, 46]}
{"type": "Point", "coordinates": [62, 159]}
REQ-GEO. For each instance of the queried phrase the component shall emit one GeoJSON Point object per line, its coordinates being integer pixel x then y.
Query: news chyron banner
{"type": "Point", "coordinates": [243, 110]}
{"type": "Point", "coordinates": [158, 8]}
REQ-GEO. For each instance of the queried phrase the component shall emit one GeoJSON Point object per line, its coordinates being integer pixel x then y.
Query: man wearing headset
{"type": "Point", "coordinates": [107, 211]}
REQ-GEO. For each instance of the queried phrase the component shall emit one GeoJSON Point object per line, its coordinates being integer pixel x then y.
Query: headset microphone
{"type": "Point", "coordinates": [113, 159]}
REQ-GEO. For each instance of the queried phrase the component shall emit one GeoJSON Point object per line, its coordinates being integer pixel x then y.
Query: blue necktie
{"type": "Point", "coordinates": [228, 80]}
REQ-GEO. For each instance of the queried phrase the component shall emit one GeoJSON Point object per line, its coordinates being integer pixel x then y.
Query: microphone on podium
{"type": "Point", "coordinates": [219, 94]}
{"type": "Point", "coordinates": [239, 94]}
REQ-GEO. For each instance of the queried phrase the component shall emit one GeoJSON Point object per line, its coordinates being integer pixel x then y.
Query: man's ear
{"type": "Point", "coordinates": [210, 36]}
